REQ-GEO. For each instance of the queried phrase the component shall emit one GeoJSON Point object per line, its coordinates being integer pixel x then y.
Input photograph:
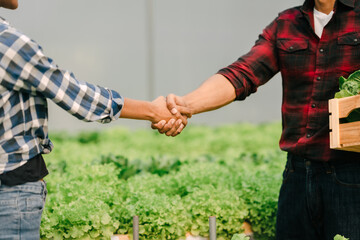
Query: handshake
{"type": "Point", "coordinates": [170, 114]}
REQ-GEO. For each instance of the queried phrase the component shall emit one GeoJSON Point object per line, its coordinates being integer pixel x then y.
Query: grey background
{"type": "Point", "coordinates": [146, 48]}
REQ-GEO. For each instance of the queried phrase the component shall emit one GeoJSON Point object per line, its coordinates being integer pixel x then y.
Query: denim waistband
{"type": "Point", "coordinates": [295, 161]}
{"type": "Point", "coordinates": [34, 187]}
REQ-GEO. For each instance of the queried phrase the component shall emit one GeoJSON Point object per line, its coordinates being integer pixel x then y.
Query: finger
{"type": "Point", "coordinates": [171, 100]}
{"type": "Point", "coordinates": [180, 121]}
{"type": "Point", "coordinates": [179, 101]}
{"type": "Point", "coordinates": [158, 125]}
{"type": "Point", "coordinates": [168, 126]}
{"type": "Point", "coordinates": [171, 131]}
{"type": "Point", "coordinates": [173, 128]}
{"type": "Point", "coordinates": [179, 130]}
{"type": "Point", "coordinates": [176, 104]}
{"type": "Point", "coordinates": [170, 103]}
{"type": "Point", "coordinates": [155, 126]}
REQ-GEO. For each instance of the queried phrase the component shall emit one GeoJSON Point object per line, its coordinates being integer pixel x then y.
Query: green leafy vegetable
{"type": "Point", "coordinates": [339, 237]}
{"type": "Point", "coordinates": [240, 237]}
{"type": "Point", "coordinates": [99, 181]}
{"type": "Point", "coordinates": [350, 87]}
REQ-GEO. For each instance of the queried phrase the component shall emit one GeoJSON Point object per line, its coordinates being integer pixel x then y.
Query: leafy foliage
{"type": "Point", "coordinates": [350, 87]}
{"type": "Point", "coordinates": [339, 237]}
{"type": "Point", "coordinates": [99, 181]}
{"type": "Point", "coordinates": [240, 237]}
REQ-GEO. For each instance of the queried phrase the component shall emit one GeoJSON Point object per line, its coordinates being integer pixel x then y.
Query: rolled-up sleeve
{"type": "Point", "coordinates": [256, 67]}
{"type": "Point", "coordinates": [24, 67]}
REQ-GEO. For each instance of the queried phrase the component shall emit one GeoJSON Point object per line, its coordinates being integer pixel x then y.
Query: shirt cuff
{"type": "Point", "coordinates": [115, 105]}
{"type": "Point", "coordinates": [234, 80]}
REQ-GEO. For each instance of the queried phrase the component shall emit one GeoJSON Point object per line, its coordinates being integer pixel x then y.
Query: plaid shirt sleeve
{"type": "Point", "coordinates": [310, 69]}
{"type": "Point", "coordinates": [25, 68]}
{"type": "Point", "coordinates": [256, 67]}
{"type": "Point", "coordinates": [27, 79]}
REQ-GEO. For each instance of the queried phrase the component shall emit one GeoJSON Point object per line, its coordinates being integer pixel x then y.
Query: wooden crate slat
{"type": "Point", "coordinates": [346, 105]}
{"type": "Point", "coordinates": [350, 148]}
{"type": "Point", "coordinates": [345, 136]}
{"type": "Point", "coordinates": [349, 133]}
{"type": "Point", "coordinates": [334, 123]}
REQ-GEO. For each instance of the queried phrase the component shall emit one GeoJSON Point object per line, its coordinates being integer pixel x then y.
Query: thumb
{"type": "Point", "coordinates": [185, 111]}
{"type": "Point", "coordinates": [171, 103]}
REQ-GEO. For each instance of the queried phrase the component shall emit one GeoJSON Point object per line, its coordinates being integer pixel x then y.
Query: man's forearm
{"type": "Point", "coordinates": [214, 93]}
{"type": "Point", "coordinates": [136, 109]}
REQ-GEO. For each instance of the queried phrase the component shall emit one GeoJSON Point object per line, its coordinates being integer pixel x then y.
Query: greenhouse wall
{"type": "Point", "coordinates": [152, 47]}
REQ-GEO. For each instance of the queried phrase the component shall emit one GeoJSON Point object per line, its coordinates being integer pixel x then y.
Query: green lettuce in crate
{"type": "Point", "coordinates": [339, 237]}
{"type": "Point", "coordinates": [350, 87]}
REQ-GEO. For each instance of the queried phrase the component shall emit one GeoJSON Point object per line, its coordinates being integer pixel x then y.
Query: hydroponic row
{"type": "Point", "coordinates": [99, 180]}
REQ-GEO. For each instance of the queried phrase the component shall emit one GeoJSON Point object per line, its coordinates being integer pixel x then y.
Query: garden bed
{"type": "Point", "coordinates": [99, 180]}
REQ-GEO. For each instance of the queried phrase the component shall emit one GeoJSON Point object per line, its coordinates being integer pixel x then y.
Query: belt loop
{"type": "Point", "coordinates": [327, 167]}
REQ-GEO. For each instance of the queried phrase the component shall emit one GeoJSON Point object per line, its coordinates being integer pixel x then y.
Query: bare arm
{"type": "Point", "coordinates": [136, 109]}
{"type": "Point", "coordinates": [214, 93]}
{"type": "Point", "coordinates": [154, 111]}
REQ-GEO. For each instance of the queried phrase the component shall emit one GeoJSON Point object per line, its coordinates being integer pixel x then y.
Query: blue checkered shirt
{"type": "Point", "coordinates": [28, 78]}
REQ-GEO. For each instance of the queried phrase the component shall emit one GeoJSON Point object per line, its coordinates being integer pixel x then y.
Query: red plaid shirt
{"type": "Point", "coordinates": [310, 69]}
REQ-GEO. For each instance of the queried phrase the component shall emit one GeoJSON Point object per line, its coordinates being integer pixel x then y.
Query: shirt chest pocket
{"type": "Point", "coordinates": [352, 39]}
{"type": "Point", "coordinates": [292, 45]}
{"type": "Point", "coordinates": [293, 53]}
{"type": "Point", "coordinates": [349, 43]}
{"type": "Point", "coordinates": [347, 54]}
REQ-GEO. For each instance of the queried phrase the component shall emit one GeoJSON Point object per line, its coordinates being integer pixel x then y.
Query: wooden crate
{"type": "Point", "coordinates": [344, 136]}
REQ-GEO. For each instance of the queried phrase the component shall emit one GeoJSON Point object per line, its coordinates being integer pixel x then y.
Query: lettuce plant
{"type": "Point", "coordinates": [350, 87]}
{"type": "Point", "coordinates": [339, 237]}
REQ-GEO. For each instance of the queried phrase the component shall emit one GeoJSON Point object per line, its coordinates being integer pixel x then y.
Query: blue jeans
{"type": "Point", "coordinates": [319, 200]}
{"type": "Point", "coordinates": [21, 207]}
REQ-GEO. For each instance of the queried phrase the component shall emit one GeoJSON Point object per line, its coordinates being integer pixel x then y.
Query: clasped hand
{"type": "Point", "coordinates": [172, 115]}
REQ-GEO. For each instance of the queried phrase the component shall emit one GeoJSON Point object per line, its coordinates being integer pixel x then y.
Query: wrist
{"type": "Point", "coordinates": [152, 112]}
{"type": "Point", "coordinates": [191, 104]}
{"type": "Point", "coordinates": [136, 109]}
{"type": "Point", "coordinates": [156, 110]}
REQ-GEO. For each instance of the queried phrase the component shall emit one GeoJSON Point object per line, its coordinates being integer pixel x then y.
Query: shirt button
{"type": "Point", "coordinates": [321, 50]}
{"type": "Point", "coordinates": [291, 48]}
{"type": "Point", "coordinates": [313, 105]}
{"type": "Point", "coordinates": [356, 40]}
{"type": "Point", "coordinates": [318, 78]}
{"type": "Point", "coordinates": [308, 135]}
